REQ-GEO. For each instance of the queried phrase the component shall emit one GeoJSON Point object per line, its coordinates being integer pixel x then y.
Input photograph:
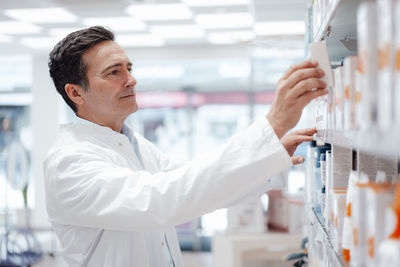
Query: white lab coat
{"type": "Point", "coordinates": [94, 180]}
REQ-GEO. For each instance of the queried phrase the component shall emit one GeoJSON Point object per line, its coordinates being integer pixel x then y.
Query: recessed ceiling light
{"type": "Point", "coordinates": [230, 37]}
{"type": "Point", "coordinates": [224, 20]}
{"type": "Point", "coordinates": [279, 28]}
{"type": "Point", "coordinates": [178, 31]}
{"type": "Point", "coordinates": [142, 40]}
{"type": "Point", "coordinates": [119, 24]}
{"type": "Point", "coordinates": [18, 27]}
{"type": "Point", "coordinates": [198, 3]}
{"type": "Point", "coordinates": [156, 12]}
{"type": "Point", "coordinates": [41, 15]}
{"type": "Point", "coordinates": [39, 42]}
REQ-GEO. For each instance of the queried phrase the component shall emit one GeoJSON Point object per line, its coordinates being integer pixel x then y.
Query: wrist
{"type": "Point", "coordinates": [279, 131]}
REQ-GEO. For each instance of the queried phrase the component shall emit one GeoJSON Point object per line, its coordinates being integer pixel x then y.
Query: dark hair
{"type": "Point", "coordinates": [65, 61]}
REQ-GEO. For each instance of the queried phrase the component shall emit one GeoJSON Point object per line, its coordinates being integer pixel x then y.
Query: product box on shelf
{"type": "Point", "coordinates": [347, 239]}
{"type": "Point", "coordinates": [388, 251]}
{"type": "Point", "coordinates": [338, 215]}
{"type": "Point", "coordinates": [359, 216]}
{"type": "Point", "coordinates": [386, 56]}
{"type": "Point", "coordinates": [350, 65]}
{"type": "Point", "coordinates": [397, 65]}
{"type": "Point", "coordinates": [368, 65]}
{"type": "Point", "coordinates": [379, 196]}
{"type": "Point", "coordinates": [339, 97]}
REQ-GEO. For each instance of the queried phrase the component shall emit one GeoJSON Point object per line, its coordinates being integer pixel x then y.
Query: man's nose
{"type": "Point", "coordinates": [131, 82]}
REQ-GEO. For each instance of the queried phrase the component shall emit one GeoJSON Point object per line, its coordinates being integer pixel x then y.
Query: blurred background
{"type": "Point", "coordinates": [205, 68]}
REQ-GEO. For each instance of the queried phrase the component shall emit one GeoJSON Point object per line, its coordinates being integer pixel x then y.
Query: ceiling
{"type": "Point", "coordinates": [191, 24]}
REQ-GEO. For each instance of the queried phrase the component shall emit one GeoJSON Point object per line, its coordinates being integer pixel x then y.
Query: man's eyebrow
{"type": "Point", "coordinates": [115, 65]}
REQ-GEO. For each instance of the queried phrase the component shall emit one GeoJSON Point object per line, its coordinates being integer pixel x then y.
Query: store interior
{"type": "Point", "coordinates": [206, 69]}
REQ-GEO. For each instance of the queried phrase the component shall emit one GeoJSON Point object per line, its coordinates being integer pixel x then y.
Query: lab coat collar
{"type": "Point", "coordinates": [126, 130]}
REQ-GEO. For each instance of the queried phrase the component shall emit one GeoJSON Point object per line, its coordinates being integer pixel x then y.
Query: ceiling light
{"type": "Point", "coordinates": [118, 24]}
{"type": "Point", "coordinates": [280, 28]}
{"type": "Point", "coordinates": [40, 42]}
{"type": "Point", "coordinates": [143, 40]}
{"type": "Point", "coordinates": [41, 15]}
{"type": "Point", "coordinates": [160, 12]}
{"type": "Point", "coordinates": [230, 37]}
{"type": "Point", "coordinates": [225, 20]}
{"type": "Point", "coordinates": [18, 27]}
{"type": "Point", "coordinates": [201, 3]}
{"type": "Point", "coordinates": [5, 39]}
{"type": "Point", "coordinates": [178, 31]}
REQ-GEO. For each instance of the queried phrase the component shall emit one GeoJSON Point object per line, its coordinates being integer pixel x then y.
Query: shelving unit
{"type": "Point", "coordinates": [339, 26]}
{"type": "Point", "coordinates": [381, 143]}
{"type": "Point", "coordinates": [319, 230]}
{"type": "Point", "coordinates": [339, 29]}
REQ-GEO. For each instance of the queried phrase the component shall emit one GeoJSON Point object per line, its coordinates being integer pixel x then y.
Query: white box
{"type": "Point", "coordinates": [386, 63]}
{"type": "Point", "coordinates": [368, 65]}
{"type": "Point", "coordinates": [319, 52]}
{"type": "Point", "coordinates": [349, 104]}
{"type": "Point", "coordinates": [379, 196]}
{"type": "Point", "coordinates": [339, 97]}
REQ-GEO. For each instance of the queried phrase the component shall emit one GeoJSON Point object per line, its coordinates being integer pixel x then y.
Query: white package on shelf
{"type": "Point", "coordinates": [319, 52]}
{"type": "Point", "coordinates": [339, 97]}
{"type": "Point", "coordinates": [386, 63]}
{"type": "Point", "coordinates": [338, 215]}
{"type": "Point", "coordinates": [388, 251]}
{"type": "Point", "coordinates": [349, 104]}
{"type": "Point", "coordinates": [368, 62]}
{"type": "Point", "coordinates": [397, 65]}
{"type": "Point", "coordinates": [379, 196]}
{"type": "Point", "coordinates": [347, 240]}
{"type": "Point", "coordinates": [359, 217]}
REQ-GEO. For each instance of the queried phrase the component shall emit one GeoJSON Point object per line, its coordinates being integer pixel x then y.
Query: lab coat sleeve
{"type": "Point", "coordinates": [85, 190]}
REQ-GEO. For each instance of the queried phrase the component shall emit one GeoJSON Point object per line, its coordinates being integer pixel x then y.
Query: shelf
{"type": "Point", "coordinates": [316, 222]}
{"type": "Point", "coordinates": [382, 143]}
{"type": "Point", "coordinates": [339, 23]}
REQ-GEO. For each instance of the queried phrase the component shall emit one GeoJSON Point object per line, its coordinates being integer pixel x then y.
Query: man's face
{"type": "Point", "coordinates": [110, 95]}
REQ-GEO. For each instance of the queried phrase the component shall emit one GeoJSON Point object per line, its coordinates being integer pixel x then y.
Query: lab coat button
{"type": "Point", "coordinates": [269, 181]}
{"type": "Point", "coordinates": [120, 144]}
{"type": "Point", "coordinates": [162, 243]}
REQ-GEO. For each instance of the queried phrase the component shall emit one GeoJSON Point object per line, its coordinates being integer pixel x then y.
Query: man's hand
{"type": "Point", "coordinates": [291, 140]}
{"type": "Point", "coordinates": [294, 92]}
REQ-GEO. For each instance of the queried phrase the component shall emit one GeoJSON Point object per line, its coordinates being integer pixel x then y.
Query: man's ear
{"type": "Point", "coordinates": [74, 93]}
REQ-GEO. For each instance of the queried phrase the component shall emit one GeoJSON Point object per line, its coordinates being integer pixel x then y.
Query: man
{"type": "Point", "coordinates": [112, 197]}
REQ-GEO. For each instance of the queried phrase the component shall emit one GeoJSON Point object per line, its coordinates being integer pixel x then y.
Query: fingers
{"type": "Point", "coordinates": [307, 131]}
{"type": "Point", "coordinates": [304, 74]}
{"type": "Point", "coordinates": [307, 97]}
{"type": "Point", "coordinates": [297, 160]}
{"type": "Point", "coordinates": [298, 139]}
{"type": "Point", "coordinates": [306, 86]}
{"type": "Point", "coordinates": [301, 65]}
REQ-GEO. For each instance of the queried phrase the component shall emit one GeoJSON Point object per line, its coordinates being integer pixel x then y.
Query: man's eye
{"type": "Point", "coordinates": [130, 70]}
{"type": "Point", "coordinates": [114, 72]}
